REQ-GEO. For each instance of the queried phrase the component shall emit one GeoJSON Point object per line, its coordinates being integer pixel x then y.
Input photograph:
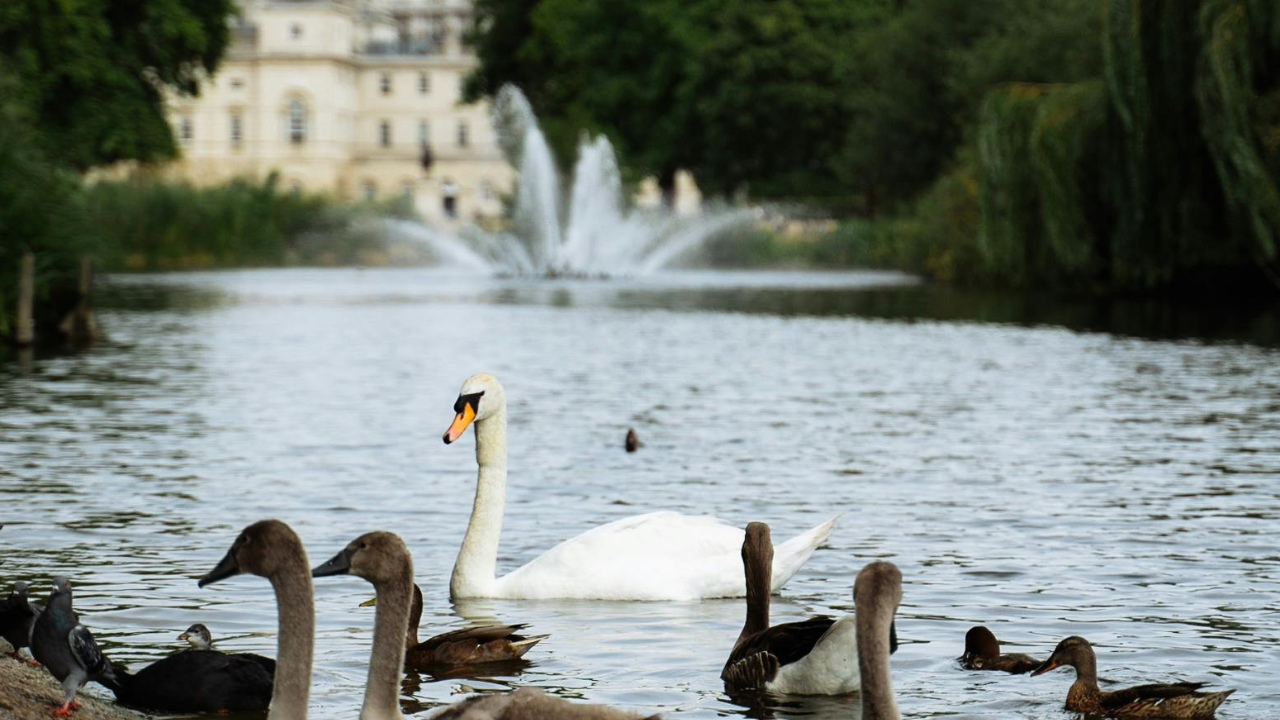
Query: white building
{"type": "Point", "coordinates": [347, 97]}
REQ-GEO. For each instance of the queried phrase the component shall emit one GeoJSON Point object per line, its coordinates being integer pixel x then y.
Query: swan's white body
{"type": "Point", "coordinates": [831, 668]}
{"type": "Point", "coordinates": [658, 556]}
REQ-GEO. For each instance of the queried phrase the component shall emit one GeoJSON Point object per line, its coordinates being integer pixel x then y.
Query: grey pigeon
{"type": "Point", "coordinates": [66, 647]}
{"type": "Point", "coordinates": [17, 616]}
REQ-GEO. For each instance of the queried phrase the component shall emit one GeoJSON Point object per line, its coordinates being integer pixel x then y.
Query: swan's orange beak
{"type": "Point", "coordinates": [460, 423]}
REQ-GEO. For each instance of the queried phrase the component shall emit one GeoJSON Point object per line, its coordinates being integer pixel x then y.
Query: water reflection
{"type": "Point", "coordinates": [1037, 479]}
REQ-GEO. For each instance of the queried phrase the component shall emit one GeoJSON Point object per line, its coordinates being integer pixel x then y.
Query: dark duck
{"type": "Point", "coordinates": [1168, 701]}
{"type": "Point", "coordinates": [198, 680]}
{"type": "Point", "coordinates": [17, 618]}
{"type": "Point", "coordinates": [66, 648]}
{"type": "Point", "coordinates": [982, 652]}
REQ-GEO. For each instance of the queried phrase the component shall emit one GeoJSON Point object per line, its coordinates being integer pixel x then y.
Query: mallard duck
{"type": "Point", "coordinates": [877, 593]}
{"type": "Point", "coordinates": [658, 556]}
{"type": "Point", "coordinates": [66, 648]}
{"type": "Point", "coordinates": [383, 560]}
{"type": "Point", "coordinates": [271, 549]}
{"type": "Point", "coordinates": [818, 656]}
{"type": "Point", "coordinates": [1169, 701]}
{"type": "Point", "coordinates": [982, 652]}
{"type": "Point", "coordinates": [466, 646]}
{"type": "Point", "coordinates": [17, 617]}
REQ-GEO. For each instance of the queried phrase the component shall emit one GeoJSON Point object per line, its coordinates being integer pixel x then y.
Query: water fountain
{"type": "Point", "coordinates": [601, 235]}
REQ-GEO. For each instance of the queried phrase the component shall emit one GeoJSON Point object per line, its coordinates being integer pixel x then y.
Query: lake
{"type": "Point", "coordinates": [1043, 466]}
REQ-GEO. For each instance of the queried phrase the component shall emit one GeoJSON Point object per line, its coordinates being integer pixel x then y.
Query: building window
{"type": "Point", "coordinates": [385, 83]}
{"type": "Point", "coordinates": [237, 129]}
{"type": "Point", "coordinates": [295, 31]}
{"type": "Point", "coordinates": [237, 83]}
{"type": "Point", "coordinates": [384, 133]}
{"type": "Point", "coordinates": [464, 131]}
{"type": "Point", "coordinates": [424, 133]}
{"type": "Point", "coordinates": [185, 129]}
{"type": "Point", "coordinates": [424, 83]}
{"type": "Point", "coordinates": [297, 121]}
{"type": "Point", "coordinates": [369, 190]}
{"type": "Point", "coordinates": [449, 198]}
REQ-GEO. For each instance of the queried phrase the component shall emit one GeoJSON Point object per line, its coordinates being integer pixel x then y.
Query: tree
{"type": "Point", "coordinates": [94, 72]}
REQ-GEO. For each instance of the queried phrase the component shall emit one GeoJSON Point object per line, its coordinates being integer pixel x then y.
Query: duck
{"type": "Point", "coordinates": [195, 681]}
{"type": "Point", "coordinates": [1168, 701]}
{"type": "Point", "coordinates": [631, 442]}
{"type": "Point", "coordinates": [877, 593]}
{"type": "Point", "coordinates": [271, 549]}
{"type": "Point", "coordinates": [383, 559]}
{"type": "Point", "coordinates": [199, 638]}
{"type": "Point", "coordinates": [467, 646]}
{"type": "Point", "coordinates": [818, 656]}
{"type": "Point", "coordinates": [655, 556]}
{"type": "Point", "coordinates": [17, 617]}
{"type": "Point", "coordinates": [66, 648]}
{"type": "Point", "coordinates": [982, 652]}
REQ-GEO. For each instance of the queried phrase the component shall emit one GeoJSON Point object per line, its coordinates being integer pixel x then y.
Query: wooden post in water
{"type": "Point", "coordinates": [80, 325]}
{"type": "Point", "coordinates": [26, 327]}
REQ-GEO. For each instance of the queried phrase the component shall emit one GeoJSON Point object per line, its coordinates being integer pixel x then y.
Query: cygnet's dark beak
{"type": "Point", "coordinates": [227, 567]}
{"type": "Point", "coordinates": [339, 564]}
{"type": "Point", "coordinates": [893, 637]}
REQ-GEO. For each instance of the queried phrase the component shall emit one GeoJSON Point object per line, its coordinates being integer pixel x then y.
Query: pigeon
{"type": "Point", "coordinates": [17, 617]}
{"type": "Point", "coordinates": [67, 648]}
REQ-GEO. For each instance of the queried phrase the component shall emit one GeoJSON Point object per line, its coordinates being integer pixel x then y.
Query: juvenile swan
{"type": "Point", "coordinates": [270, 549]}
{"type": "Point", "coordinates": [383, 560]}
{"type": "Point", "coordinates": [818, 656]}
{"type": "Point", "coordinates": [657, 556]}
{"type": "Point", "coordinates": [876, 595]}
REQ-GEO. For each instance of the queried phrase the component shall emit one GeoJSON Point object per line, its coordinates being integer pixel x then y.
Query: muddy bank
{"type": "Point", "coordinates": [28, 692]}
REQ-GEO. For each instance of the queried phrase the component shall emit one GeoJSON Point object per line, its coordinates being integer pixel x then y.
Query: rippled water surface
{"type": "Point", "coordinates": [1041, 480]}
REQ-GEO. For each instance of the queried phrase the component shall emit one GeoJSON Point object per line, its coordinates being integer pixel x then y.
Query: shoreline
{"type": "Point", "coordinates": [28, 692]}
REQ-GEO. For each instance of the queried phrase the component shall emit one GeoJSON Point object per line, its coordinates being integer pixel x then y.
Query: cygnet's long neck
{"type": "Point", "coordinates": [758, 568]}
{"type": "Point", "coordinates": [873, 620]}
{"type": "Point", "coordinates": [386, 660]}
{"type": "Point", "coordinates": [474, 572]}
{"type": "Point", "coordinates": [296, 640]}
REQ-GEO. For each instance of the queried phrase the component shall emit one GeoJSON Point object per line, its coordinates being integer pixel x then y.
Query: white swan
{"type": "Point", "coordinates": [657, 556]}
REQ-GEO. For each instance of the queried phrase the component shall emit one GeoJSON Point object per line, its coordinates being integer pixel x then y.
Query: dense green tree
{"type": "Point", "coordinates": [94, 71]}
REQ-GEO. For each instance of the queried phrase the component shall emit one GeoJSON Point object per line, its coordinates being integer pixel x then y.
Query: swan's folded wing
{"type": "Point", "coordinates": [751, 672]}
{"type": "Point", "coordinates": [787, 642]}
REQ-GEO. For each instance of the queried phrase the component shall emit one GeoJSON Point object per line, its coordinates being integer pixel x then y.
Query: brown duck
{"type": "Point", "coordinates": [467, 646]}
{"type": "Point", "coordinates": [1169, 701]}
{"type": "Point", "coordinates": [982, 652]}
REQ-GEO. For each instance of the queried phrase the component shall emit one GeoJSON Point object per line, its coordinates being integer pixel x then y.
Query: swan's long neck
{"type": "Point", "coordinates": [758, 568]}
{"type": "Point", "coordinates": [873, 620]}
{"type": "Point", "coordinates": [386, 660]}
{"type": "Point", "coordinates": [297, 632]}
{"type": "Point", "coordinates": [475, 571]}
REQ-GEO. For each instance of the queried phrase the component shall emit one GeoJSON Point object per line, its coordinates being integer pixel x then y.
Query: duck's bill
{"type": "Point", "coordinates": [339, 564]}
{"type": "Point", "coordinates": [371, 602]}
{"type": "Point", "coordinates": [459, 424]}
{"type": "Point", "coordinates": [893, 637]}
{"type": "Point", "coordinates": [1045, 667]}
{"type": "Point", "coordinates": [228, 567]}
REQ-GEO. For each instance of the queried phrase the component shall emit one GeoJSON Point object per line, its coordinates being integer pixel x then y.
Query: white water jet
{"type": "Point", "coordinates": [600, 237]}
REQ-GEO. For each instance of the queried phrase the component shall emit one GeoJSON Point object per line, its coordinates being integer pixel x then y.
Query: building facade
{"type": "Point", "coordinates": [356, 98]}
